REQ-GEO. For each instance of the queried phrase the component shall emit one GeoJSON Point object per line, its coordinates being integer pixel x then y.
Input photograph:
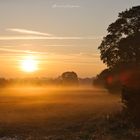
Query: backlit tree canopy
{"type": "Point", "coordinates": [69, 78]}
{"type": "Point", "coordinates": [121, 46]}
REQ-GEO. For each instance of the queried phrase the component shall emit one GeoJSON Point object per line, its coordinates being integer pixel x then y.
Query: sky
{"type": "Point", "coordinates": [61, 35]}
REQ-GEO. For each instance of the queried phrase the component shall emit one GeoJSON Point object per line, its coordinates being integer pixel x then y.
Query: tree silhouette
{"type": "Point", "coordinates": [3, 82]}
{"type": "Point", "coordinates": [122, 44]}
{"type": "Point", "coordinates": [131, 96]}
{"type": "Point", "coordinates": [108, 79]}
{"type": "Point", "coordinates": [69, 78]}
{"type": "Point", "coordinates": [120, 50]}
{"type": "Point", "coordinates": [102, 78]}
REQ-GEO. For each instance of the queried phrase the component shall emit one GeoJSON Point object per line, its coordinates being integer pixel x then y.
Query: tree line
{"type": "Point", "coordinates": [68, 78]}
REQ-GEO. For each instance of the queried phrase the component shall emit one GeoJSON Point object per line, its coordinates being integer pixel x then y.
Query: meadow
{"type": "Point", "coordinates": [55, 113]}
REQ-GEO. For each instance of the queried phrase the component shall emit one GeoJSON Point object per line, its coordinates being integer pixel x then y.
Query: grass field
{"type": "Point", "coordinates": [31, 113]}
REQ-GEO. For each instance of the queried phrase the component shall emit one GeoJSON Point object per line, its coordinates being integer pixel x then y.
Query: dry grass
{"type": "Point", "coordinates": [43, 113]}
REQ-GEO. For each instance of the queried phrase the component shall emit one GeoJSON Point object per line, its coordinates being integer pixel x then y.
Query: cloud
{"type": "Point", "coordinates": [35, 35]}
{"type": "Point", "coordinates": [25, 31]}
{"type": "Point", "coordinates": [20, 51]}
{"type": "Point", "coordinates": [13, 50]}
{"type": "Point", "coordinates": [46, 38]}
{"type": "Point", "coordinates": [59, 45]}
{"type": "Point", "coordinates": [65, 6]}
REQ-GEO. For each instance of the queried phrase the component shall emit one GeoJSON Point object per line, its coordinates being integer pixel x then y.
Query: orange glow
{"type": "Point", "coordinates": [29, 64]}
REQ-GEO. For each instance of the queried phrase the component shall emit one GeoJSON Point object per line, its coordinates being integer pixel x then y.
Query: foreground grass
{"type": "Point", "coordinates": [41, 114]}
{"type": "Point", "coordinates": [105, 128]}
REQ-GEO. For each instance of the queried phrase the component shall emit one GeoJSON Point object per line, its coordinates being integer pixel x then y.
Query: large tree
{"type": "Point", "coordinates": [121, 46]}
{"type": "Point", "coordinates": [120, 50]}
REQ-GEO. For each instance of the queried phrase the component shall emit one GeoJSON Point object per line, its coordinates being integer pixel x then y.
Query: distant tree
{"type": "Point", "coordinates": [122, 44]}
{"type": "Point", "coordinates": [86, 81]}
{"type": "Point", "coordinates": [69, 78]}
{"type": "Point", "coordinates": [3, 82]}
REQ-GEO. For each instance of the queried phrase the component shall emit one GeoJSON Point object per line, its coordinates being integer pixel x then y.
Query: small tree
{"type": "Point", "coordinates": [69, 78]}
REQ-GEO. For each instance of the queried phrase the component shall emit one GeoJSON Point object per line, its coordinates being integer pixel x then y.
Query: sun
{"type": "Point", "coordinates": [29, 64]}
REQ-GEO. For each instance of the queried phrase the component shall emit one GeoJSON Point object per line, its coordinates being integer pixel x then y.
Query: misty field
{"type": "Point", "coordinates": [55, 113]}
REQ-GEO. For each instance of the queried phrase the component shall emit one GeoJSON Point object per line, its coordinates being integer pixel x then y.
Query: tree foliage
{"type": "Point", "coordinates": [120, 50]}
{"type": "Point", "coordinates": [101, 79]}
{"type": "Point", "coordinates": [121, 46]}
{"type": "Point", "coordinates": [131, 96]}
{"type": "Point", "coordinates": [108, 79]}
{"type": "Point", "coordinates": [69, 78]}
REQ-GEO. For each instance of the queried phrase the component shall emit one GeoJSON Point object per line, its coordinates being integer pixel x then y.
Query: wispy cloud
{"type": "Point", "coordinates": [35, 35]}
{"type": "Point", "coordinates": [25, 31]}
{"type": "Point", "coordinates": [59, 45]}
{"type": "Point", "coordinates": [65, 6]}
{"type": "Point", "coordinates": [47, 38]}
{"type": "Point", "coordinates": [14, 50]}
{"type": "Point", "coordinates": [20, 51]}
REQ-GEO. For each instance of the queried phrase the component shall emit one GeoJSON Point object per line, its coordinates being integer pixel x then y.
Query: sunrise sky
{"type": "Point", "coordinates": [60, 35]}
